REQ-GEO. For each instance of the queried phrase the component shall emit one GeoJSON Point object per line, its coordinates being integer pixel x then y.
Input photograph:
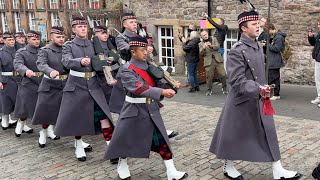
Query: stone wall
{"type": "Point", "coordinates": [292, 17]}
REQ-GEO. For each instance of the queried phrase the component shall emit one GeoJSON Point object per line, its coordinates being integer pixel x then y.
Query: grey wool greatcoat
{"type": "Point", "coordinates": [50, 90]}
{"type": "Point", "coordinates": [10, 86]}
{"type": "Point", "coordinates": [118, 93]}
{"type": "Point", "coordinates": [134, 131]}
{"type": "Point", "coordinates": [243, 131]}
{"type": "Point", "coordinates": [76, 115]}
{"type": "Point", "coordinates": [27, 95]}
{"type": "Point", "coordinates": [101, 78]}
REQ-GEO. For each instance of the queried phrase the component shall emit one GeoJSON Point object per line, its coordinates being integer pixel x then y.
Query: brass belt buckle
{"type": "Point", "coordinates": [149, 100]}
{"type": "Point", "coordinates": [88, 75]}
{"type": "Point", "coordinates": [63, 77]}
{"type": "Point", "coordinates": [15, 73]}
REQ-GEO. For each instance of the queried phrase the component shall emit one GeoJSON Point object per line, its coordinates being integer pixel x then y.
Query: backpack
{"type": "Point", "coordinates": [286, 52]}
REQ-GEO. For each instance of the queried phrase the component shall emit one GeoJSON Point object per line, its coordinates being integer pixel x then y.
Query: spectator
{"type": "Point", "coordinates": [315, 41]}
{"type": "Point", "coordinates": [213, 61]}
{"type": "Point", "coordinates": [221, 31]}
{"type": "Point", "coordinates": [263, 37]}
{"type": "Point", "coordinates": [276, 46]}
{"type": "Point", "coordinates": [191, 48]}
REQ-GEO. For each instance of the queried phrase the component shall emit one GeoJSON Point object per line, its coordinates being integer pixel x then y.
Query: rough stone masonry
{"type": "Point", "coordinates": [292, 17]}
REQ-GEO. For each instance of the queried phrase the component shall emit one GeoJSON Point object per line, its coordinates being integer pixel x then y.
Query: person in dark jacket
{"type": "Point", "coordinates": [220, 33]}
{"type": "Point", "coordinates": [275, 60]}
{"type": "Point", "coordinates": [263, 37]}
{"type": "Point", "coordinates": [314, 40]}
{"type": "Point", "coordinates": [191, 48]}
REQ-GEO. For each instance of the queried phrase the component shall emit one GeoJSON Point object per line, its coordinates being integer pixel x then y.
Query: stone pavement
{"type": "Point", "coordinates": [21, 158]}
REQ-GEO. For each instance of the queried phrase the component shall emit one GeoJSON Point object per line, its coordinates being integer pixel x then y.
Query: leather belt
{"type": "Point", "coordinates": [87, 75]}
{"type": "Point", "coordinates": [60, 77]}
{"type": "Point", "coordinates": [14, 73]}
{"type": "Point", "coordinates": [139, 100]}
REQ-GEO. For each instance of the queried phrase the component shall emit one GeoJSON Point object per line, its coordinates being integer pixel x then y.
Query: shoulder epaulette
{"type": "Point", "coordinates": [44, 47]}
{"type": "Point", "coordinates": [67, 42]}
{"type": "Point", "coordinates": [237, 44]}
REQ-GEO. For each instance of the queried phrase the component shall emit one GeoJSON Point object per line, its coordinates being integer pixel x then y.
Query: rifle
{"type": "Point", "coordinates": [100, 62]}
{"type": "Point", "coordinates": [157, 72]}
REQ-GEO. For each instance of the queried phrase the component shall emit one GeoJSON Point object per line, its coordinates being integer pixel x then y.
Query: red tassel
{"type": "Point", "coordinates": [267, 107]}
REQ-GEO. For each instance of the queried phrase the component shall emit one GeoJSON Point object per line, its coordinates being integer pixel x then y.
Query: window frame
{"type": "Point", "coordinates": [229, 39]}
{"type": "Point", "coordinates": [54, 21]}
{"type": "Point", "coordinates": [32, 21]}
{"type": "Point", "coordinates": [53, 4]}
{"type": "Point", "coordinates": [15, 4]}
{"type": "Point", "coordinates": [75, 4]}
{"type": "Point", "coordinates": [94, 4]}
{"type": "Point", "coordinates": [4, 21]}
{"type": "Point", "coordinates": [2, 4]}
{"type": "Point", "coordinates": [30, 4]}
{"type": "Point", "coordinates": [160, 47]}
{"type": "Point", "coordinates": [17, 21]}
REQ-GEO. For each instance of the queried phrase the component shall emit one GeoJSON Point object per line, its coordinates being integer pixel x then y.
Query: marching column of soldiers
{"type": "Point", "coordinates": [71, 89]}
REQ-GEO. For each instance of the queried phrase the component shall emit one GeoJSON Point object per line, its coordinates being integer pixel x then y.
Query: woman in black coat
{"type": "Point", "coordinates": [191, 47]}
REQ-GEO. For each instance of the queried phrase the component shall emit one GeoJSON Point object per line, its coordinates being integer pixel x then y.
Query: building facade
{"type": "Point", "coordinates": [19, 15]}
{"type": "Point", "coordinates": [165, 18]}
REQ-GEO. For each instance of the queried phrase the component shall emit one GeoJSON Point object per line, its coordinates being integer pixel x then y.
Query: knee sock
{"type": "Point", "coordinates": [165, 152]}
{"type": "Point", "coordinates": [107, 133]}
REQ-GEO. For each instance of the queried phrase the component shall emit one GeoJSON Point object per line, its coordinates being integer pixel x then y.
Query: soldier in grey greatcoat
{"type": "Point", "coordinates": [122, 40]}
{"type": "Point", "coordinates": [50, 89]}
{"type": "Point", "coordinates": [20, 40]}
{"type": "Point", "coordinates": [140, 128]}
{"type": "Point", "coordinates": [8, 80]}
{"type": "Point", "coordinates": [130, 30]}
{"type": "Point", "coordinates": [102, 33]}
{"type": "Point", "coordinates": [83, 98]}
{"type": "Point", "coordinates": [244, 132]}
{"type": "Point", "coordinates": [25, 64]}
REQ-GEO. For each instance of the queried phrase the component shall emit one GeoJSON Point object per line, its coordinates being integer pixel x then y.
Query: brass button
{"type": "Point", "coordinates": [256, 77]}
{"type": "Point", "coordinates": [252, 69]}
{"type": "Point", "coordinates": [248, 60]}
{"type": "Point", "coordinates": [244, 51]}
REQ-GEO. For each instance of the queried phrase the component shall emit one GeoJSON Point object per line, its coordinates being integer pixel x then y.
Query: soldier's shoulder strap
{"type": "Point", "coordinates": [67, 42]}
{"type": "Point", "coordinates": [237, 44]}
{"type": "Point", "coordinates": [44, 47]}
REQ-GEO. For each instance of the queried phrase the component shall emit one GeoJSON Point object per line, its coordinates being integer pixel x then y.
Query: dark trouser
{"type": "Point", "coordinates": [192, 74]}
{"type": "Point", "coordinates": [216, 69]}
{"type": "Point", "coordinates": [274, 78]}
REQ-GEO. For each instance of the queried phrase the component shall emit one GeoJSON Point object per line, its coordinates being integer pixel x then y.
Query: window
{"type": "Point", "coordinates": [30, 4]}
{"type": "Point", "coordinates": [17, 21]}
{"type": "Point", "coordinates": [32, 21]}
{"type": "Point", "coordinates": [166, 46]}
{"type": "Point", "coordinates": [54, 19]}
{"type": "Point", "coordinates": [94, 4]}
{"type": "Point", "coordinates": [53, 4]}
{"type": "Point", "coordinates": [231, 39]}
{"type": "Point", "coordinates": [16, 4]}
{"type": "Point", "coordinates": [4, 22]}
{"type": "Point", "coordinates": [72, 4]}
{"type": "Point", "coordinates": [2, 4]}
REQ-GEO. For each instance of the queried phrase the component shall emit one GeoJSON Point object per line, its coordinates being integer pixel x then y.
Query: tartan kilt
{"type": "Point", "coordinates": [157, 139]}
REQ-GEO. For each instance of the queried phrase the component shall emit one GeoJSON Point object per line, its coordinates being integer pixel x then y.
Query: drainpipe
{"type": "Point", "coordinates": [209, 12]}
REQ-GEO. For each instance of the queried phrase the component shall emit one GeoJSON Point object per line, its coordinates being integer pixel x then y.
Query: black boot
{"type": "Point", "coordinates": [192, 90]}
{"type": "Point", "coordinates": [316, 173]}
{"type": "Point", "coordinates": [197, 88]}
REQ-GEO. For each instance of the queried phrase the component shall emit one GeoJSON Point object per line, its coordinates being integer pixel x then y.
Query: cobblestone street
{"type": "Point", "coordinates": [21, 158]}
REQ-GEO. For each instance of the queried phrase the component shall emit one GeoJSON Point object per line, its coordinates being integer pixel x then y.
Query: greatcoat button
{"type": "Point", "coordinates": [248, 60]}
{"type": "Point", "coordinates": [256, 77]}
{"type": "Point", "coordinates": [252, 69]}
